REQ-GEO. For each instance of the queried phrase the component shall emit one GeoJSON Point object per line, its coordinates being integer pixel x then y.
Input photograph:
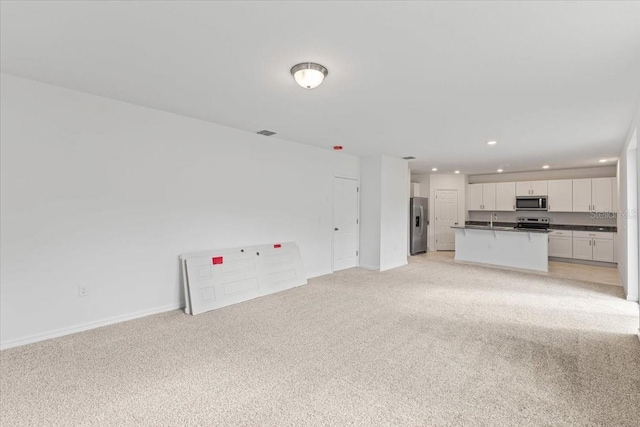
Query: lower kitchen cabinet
{"type": "Point", "coordinates": [582, 248]}
{"type": "Point", "coordinates": [603, 250]}
{"type": "Point", "coordinates": [593, 246]}
{"type": "Point", "coordinates": [561, 243]}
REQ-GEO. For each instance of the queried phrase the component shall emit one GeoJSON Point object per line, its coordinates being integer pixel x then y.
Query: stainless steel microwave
{"type": "Point", "coordinates": [531, 203]}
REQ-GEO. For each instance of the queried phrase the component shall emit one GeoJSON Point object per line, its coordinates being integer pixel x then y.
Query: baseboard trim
{"type": "Point", "coordinates": [392, 266]}
{"type": "Point", "coordinates": [585, 262]}
{"type": "Point", "coordinates": [369, 267]}
{"type": "Point", "coordinates": [322, 273]}
{"type": "Point", "coordinates": [87, 326]}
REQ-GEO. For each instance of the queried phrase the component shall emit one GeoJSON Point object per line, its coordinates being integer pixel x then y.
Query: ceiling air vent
{"type": "Point", "coordinates": [409, 158]}
{"type": "Point", "coordinates": [266, 133]}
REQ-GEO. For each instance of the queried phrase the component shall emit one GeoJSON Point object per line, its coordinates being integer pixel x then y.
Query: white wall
{"type": "Point", "coordinates": [394, 213]}
{"type": "Point", "coordinates": [370, 211]}
{"type": "Point", "coordinates": [441, 182]}
{"type": "Point", "coordinates": [384, 202]}
{"type": "Point", "coordinates": [628, 220]}
{"type": "Point", "coordinates": [106, 194]}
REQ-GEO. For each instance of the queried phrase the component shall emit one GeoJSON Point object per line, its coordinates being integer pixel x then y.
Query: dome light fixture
{"type": "Point", "coordinates": [309, 75]}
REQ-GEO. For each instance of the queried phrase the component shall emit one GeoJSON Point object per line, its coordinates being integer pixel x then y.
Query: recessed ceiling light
{"type": "Point", "coordinates": [434, 169]}
{"type": "Point", "coordinates": [500, 170]}
{"type": "Point", "coordinates": [456, 172]}
{"type": "Point", "coordinates": [492, 142]}
{"type": "Point", "coordinates": [309, 75]}
{"type": "Point", "coordinates": [545, 167]}
{"type": "Point", "coordinates": [602, 160]}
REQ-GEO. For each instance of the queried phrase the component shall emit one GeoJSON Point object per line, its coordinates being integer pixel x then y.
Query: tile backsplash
{"type": "Point", "coordinates": [570, 218]}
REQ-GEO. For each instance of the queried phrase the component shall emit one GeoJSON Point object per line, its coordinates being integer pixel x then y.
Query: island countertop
{"type": "Point", "coordinates": [499, 228]}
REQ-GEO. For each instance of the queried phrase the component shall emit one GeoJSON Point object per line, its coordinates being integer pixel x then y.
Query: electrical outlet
{"type": "Point", "coordinates": [82, 290]}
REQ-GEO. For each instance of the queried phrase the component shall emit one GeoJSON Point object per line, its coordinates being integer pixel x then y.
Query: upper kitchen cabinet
{"type": "Point", "coordinates": [415, 189]}
{"type": "Point", "coordinates": [531, 188]}
{"type": "Point", "coordinates": [593, 195]}
{"type": "Point", "coordinates": [602, 194]}
{"type": "Point", "coordinates": [582, 195]}
{"type": "Point", "coordinates": [506, 196]}
{"type": "Point", "coordinates": [482, 197]}
{"type": "Point", "coordinates": [560, 197]}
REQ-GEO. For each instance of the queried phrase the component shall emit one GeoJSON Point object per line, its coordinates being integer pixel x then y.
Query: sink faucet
{"type": "Point", "coordinates": [493, 214]}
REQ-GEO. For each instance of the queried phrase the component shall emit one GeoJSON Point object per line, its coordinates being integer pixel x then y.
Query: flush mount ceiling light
{"type": "Point", "coordinates": [602, 160]}
{"type": "Point", "coordinates": [500, 170]}
{"type": "Point", "coordinates": [492, 142]}
{"type": "Point", "coordinates": [545, 167]}
{"type": "Point", "coordinates": [308, 74]}
{"type": "Point", "coordinates": [456, 172]}
{"type": "Point", "coordinates": [434, 169]}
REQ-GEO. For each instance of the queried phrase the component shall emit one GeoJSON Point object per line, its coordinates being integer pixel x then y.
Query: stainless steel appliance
{"type": "Point", "coordinates": [419, 211]}
{"type": "Point", "coordinates": [533, 223]}
{"type": "Point", "coordinates": [531, 203]}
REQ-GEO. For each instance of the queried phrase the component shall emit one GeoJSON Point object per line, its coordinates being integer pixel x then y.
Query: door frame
{"type": "Point", "coordinates": [435, 193]}
{"type": "Point", "coordinates": [333, 218]}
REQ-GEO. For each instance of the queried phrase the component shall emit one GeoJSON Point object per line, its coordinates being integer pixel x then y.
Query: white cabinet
{"type": "Point", "coordinates": [603, 250]}
{"type": "Point", "coordinates": [539, 188]}
{"type": "Point", "coordinates": [415, 189]}
{"type": "Point", "coordinates": [602, 194]}
{"type": "Point", "coordinates": [561, 243]}
{"type": "Point", "coordinates": [582, 248]}
{"type": "Point", "coordinates": [482, 197]}
{"type": "Point", "coordinates": [594, 195]}
{"type": "Point", "coordinates": [506, 196]}
{"type": "Point", "coordinates": [582, 195]}
{"type": "Point", "coordinates": [560, 197]}
{"type": "Point", "coordinates": [474, 199]}
{"type": "Point", "coordinates": [489, 197]}
{"type": "Point", "coordinates": [523, 188]}
{"type": "Point", "coordinates": [593, 246]}
{"type": "Point", "coordinates": [531, 188]}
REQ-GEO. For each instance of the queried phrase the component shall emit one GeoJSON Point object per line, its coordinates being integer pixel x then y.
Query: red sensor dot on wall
{"type": "Point", "coordinates": [337, 147]}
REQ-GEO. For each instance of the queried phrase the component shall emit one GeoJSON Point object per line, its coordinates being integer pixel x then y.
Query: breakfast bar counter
{"type": "Point", "coordinates": [503, 246]}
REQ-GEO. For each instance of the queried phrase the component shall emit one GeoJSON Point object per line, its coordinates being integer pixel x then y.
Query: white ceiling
{"type": "Point", "coordinates": [553, 82]}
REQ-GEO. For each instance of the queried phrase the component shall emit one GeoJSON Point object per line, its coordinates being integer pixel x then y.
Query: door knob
{"type": "Point", "coordinates": [336, 229]}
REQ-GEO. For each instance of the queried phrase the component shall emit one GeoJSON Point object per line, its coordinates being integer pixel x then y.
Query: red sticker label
{"type": "Point", "coordinates": [277, 245]}
{"type": "Point", "coordinates": [216, 260]}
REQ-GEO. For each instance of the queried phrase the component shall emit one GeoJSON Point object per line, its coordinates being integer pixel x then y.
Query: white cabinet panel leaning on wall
{"type": "Point", "coordinates": [218, 278]}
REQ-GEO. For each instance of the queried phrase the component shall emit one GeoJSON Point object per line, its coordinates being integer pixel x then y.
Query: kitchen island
{"type": "Point", "coordinates": [503, 246]}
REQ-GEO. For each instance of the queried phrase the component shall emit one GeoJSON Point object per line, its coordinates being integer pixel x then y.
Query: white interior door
{"type": "Point", "coordinates": [345, 220]}
{"type": "Point", "coordinates": [446, 215]}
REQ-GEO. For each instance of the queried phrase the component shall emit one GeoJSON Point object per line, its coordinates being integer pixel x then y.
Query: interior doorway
{"type": "Point", "coordinates": [446, 216]}
{"type": "Point", "coordinates": [345, 223]}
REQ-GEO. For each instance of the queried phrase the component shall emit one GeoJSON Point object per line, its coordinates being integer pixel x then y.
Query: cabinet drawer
{"type": "Point", "coordinates": [593, 235]}
{"type": "Point", "coordinates": [567, 233]}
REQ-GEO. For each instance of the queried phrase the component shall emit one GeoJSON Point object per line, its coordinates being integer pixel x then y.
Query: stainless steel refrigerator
{"type": "Point", "coordinates": [419, 211]}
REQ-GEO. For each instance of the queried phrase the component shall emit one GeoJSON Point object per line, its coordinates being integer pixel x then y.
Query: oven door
{"type": "Point", "coordinates": [531, 203]}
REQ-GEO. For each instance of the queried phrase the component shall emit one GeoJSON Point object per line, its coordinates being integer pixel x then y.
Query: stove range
{"type": "Point", "coordinates": [534, 223]}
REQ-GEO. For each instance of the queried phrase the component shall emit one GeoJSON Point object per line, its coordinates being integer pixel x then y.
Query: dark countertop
{"type": "Point", "coordinates": [606, 229]}
{"type": "Point", "coordinates": [497, 227]}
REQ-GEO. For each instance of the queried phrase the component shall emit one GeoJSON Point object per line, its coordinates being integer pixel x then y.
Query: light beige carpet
{"type": "Point", "coordinates": [432, 343]}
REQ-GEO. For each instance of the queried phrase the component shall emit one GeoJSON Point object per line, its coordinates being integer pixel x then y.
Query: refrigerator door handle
{"type": "Point", "coordinates": [422, 218]}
